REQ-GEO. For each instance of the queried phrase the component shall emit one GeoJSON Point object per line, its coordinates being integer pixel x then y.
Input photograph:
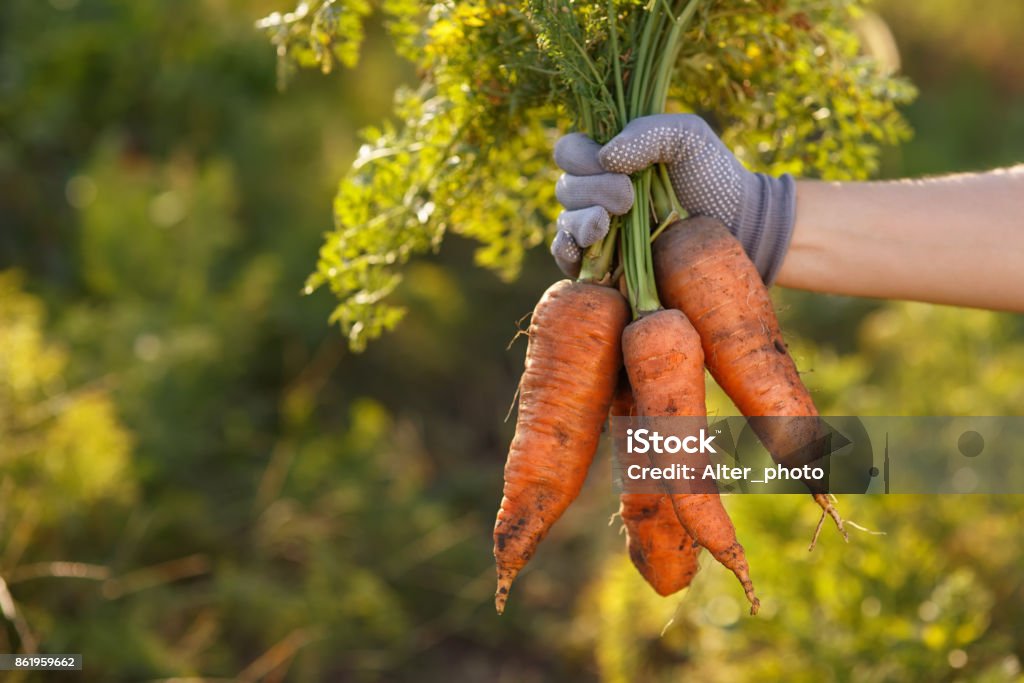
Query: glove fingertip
{"type": "Point", "coordinates": [570, 269]}
{"type": "Point", "coordinates": [570, 140]}
{"type": "Point", "coordinates": [564, 247]}
{"type": "Point", "coordinates": [569, 260]}
{"type": "Point", "coordinates": [586, 226]}
{"type": "Point", "coordinates": [621, 201]}
{"type": "Point", "coordinates": [576, 153]}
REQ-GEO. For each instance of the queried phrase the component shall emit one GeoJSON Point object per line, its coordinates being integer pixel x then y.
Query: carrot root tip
{"type": "Point", "coordinates": [839, 524]}
{"type": "Point", "coordinates": [501, 594]}
{"type": "Point", "coordinates": [505, 579]}
{"type": "Point", "coordinates": [755, 602]}
{"type": "Point", "coordinates": [828, 508]}
{"type": "Point", "coordinates": [858, 527]}
{"type": "Point", "coordinates": [817, 532]}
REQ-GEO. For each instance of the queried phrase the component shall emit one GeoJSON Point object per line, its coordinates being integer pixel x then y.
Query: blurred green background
{"type": "Point", "coordinates": [198, 482]}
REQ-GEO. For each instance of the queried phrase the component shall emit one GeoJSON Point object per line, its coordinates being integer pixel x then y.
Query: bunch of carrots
{"type": "Point", "coordinates": [682, 279]}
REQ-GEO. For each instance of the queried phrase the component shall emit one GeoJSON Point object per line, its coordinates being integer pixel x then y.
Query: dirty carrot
{"type": "Point", "coordinates": [703, 271]}
{"type": "Point", "coordinates": [572, 362]}
{"type": "Point", "coordinates": [658, 545]}
{"type": "Point", "coordinates": [663, 357]}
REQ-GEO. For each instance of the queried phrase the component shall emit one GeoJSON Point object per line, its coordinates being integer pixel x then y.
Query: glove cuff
{"type": "Point", "coordinates": [765, 225]}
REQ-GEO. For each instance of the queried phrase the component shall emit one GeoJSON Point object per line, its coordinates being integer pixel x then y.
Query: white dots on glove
{"type": "Point", "coordinates": [705, 175]}
{"type": "Point", "coordinates": [567, 253]}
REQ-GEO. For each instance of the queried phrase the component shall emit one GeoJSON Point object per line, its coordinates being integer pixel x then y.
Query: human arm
{"type": "Point", "coordinates": [955, 239]}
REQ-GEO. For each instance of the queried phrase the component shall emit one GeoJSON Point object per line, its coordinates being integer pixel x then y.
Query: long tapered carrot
{"type": "Point", "coordinates": [703, 271]}
{"type": "Point", "coordinates": [658, 545]}
{"type": "Point", "coordinates": [572, 363]}
{"type": "Point", "coordinates": [663, 357]}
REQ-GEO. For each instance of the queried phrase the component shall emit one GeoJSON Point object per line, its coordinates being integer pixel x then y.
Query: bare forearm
{"type": "Point", "coordinates": [952, 240]}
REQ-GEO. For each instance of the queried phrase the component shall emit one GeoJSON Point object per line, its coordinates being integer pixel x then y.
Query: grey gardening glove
{"type": "Point", "coordinates": [758, 209]}
{"type": "Point", "coordinates": [590, 196]}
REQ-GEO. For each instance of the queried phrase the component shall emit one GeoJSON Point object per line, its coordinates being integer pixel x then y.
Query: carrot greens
{"type": "Point", "coordinates": [784, 82]}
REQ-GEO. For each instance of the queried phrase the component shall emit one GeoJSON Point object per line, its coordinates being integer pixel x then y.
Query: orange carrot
{"type": "Point", "coordinates": [572, 362]}
{"type": "Point", "coordinates": [703, 271]}
{"type": "Point", "coordinates": [663, 357]}
{"type": "Point", "coordinates": [660, 548]}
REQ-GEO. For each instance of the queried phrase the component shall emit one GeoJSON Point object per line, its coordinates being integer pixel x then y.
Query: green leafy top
{"type": "Point", "coordinates": [784, 82]}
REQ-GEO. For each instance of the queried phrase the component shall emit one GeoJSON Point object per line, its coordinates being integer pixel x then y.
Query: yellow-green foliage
{"type": "Point", "coordinates": [900, 369]}
{"type": "Point", "coordinates": [60, 447]}
{"type": "Point", "coordinates": [926, 592]}
{"type": "Point", "coordinates": [786, 84]}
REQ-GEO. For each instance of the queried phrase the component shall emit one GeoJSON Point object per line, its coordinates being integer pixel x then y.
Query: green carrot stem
{"type": "Point", "coordinates": [671, 218]}
{"type": "Point", "coordinates": [661, 199]}
{"type": "Point", "coordinates": [652, 66]}
{"type": "Point", "coordinates": [667, 65]}
{"type": "Point", "coordinates": [637, 258]}
{"type": "Point", "coordinates": [598, 258]}
{"type": "Point", "coordinates": [613, 32]}
{"type": "Point", "coordinates": [665, 183]}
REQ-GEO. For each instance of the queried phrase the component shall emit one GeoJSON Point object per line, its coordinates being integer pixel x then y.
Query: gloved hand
{"type": "Point", "coordinates": [590, 195]}
{"type": "Point", "coordinates": [758, 209]}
